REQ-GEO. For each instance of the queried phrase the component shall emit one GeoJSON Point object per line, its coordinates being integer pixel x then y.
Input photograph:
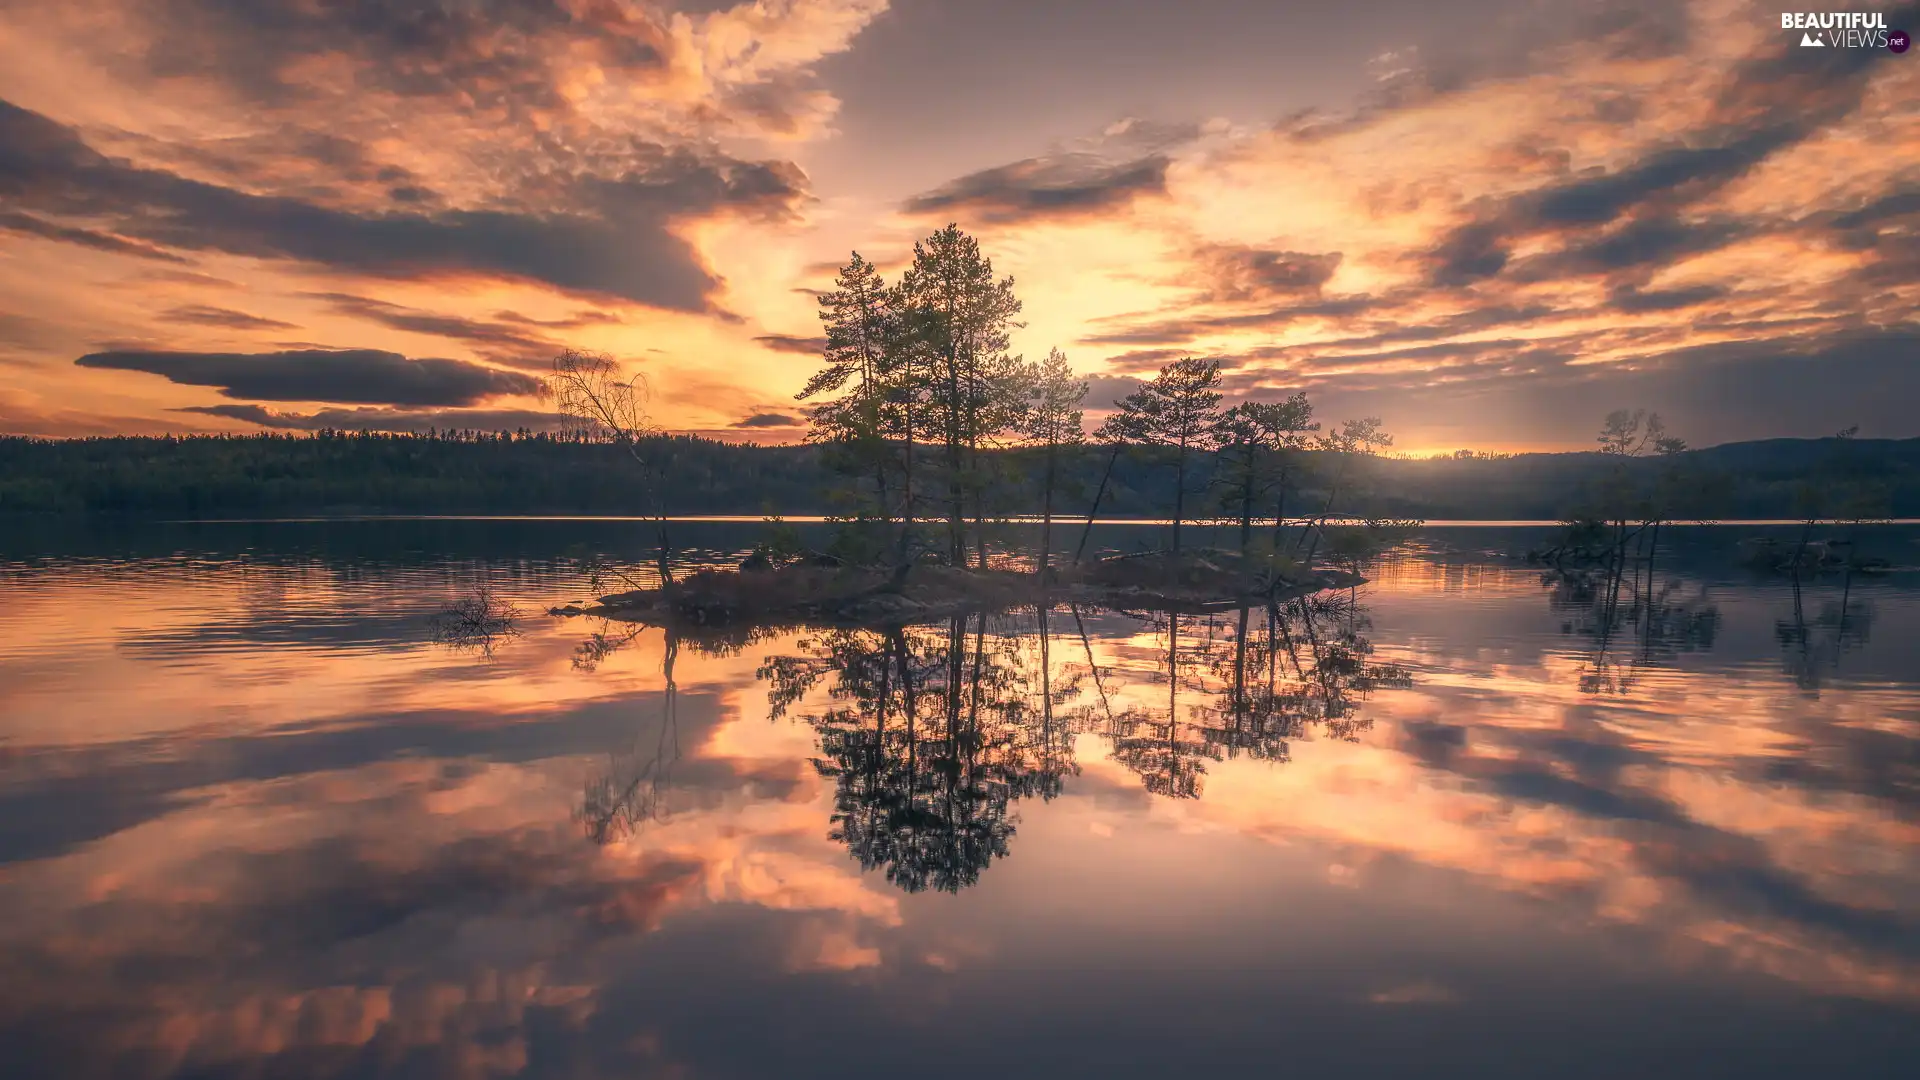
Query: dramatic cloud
{"type": "Point", "coordinates": [616, 243]}
{"type": "Point", "coordinates": [799, 346]}
{"type": "Point", "coordinates": [1647, 212]}
{"type": "Point", "coordinates": [502, 52]}
{"type": "Point", "coordinates": [227, 318]}
{"type": "Point", "coordinates": [1038, 188]}
{"type": "Point", "coordinates": [400, 420]}
{"type": "Point", "coordinates": [1487, 199]}
{"type": "Point", "coordinates": [1104, 390]}
{"type": "Point", "coordinates": [507, 340]}
{"type": "Point", "coordinates": [1247, 273]}
{"type": "Point", "coordinates": [13, 221]}
{"type": "Point", "coordinates": [349, 376]}
{"type": "Point", "coordinates": [771, 420]}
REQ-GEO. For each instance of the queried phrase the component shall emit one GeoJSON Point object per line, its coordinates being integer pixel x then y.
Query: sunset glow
{"type": "Point", "coordinates": [1485, 222]}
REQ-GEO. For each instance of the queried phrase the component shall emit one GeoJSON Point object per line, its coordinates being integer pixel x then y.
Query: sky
{"type": "Point", "coordinates": [1487, 223]}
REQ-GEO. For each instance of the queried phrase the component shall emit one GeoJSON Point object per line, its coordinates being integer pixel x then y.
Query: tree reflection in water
{"type": "Point", "coordinates": [1634, 619]}
{"type": "Point", "coordinates": [1248, 683]}
{"type": "Point", "coordinates": [633, 789]}
{"type": "Point", "coordinates": [1811, 648]}
{"type": "Point", "coordinates": [933, 734]}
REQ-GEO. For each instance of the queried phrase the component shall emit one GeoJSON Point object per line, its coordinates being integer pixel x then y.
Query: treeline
{"type": "Point", "coordinates": [507, 473]}
{"type": "Point", "coordinates": [336, 472]}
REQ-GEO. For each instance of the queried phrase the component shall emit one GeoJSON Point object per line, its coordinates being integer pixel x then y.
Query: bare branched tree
{"type": "Point", "coordinates": [600, 403]}
{"type": "Point", "coordinates": [476, 622]}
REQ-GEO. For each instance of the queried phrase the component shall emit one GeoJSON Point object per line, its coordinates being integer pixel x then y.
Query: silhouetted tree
{"type": "Point", "coordinates": [1838, 490]}
{"type": "Point", "coordinates": [1258, 444]}
{"type": "Point", "coordinates": [1117, 433]}
{"type": "Point", "coordinates": [862, 349]}
{"type": "Point", "coordinates": [1343, 452]}
{"type": "Point", "coordinates": [1052, 421]}
{"type": "Point", "coordinates": [598, 401]}
{"type": "Point", "coordinates": [1177, 410]}
{"type": "Point", "coordinates": [957, 318]}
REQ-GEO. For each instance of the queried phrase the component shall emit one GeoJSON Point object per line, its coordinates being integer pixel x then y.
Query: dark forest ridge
{"type": "Point", "coordinates": [509, 473]}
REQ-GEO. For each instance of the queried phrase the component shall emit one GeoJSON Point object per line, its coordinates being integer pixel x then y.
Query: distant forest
{"type": "Point", "coordinates": [337, 473]}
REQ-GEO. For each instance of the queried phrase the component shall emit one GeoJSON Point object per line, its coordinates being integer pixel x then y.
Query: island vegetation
{"type": "Point", "coordinates": [931, 429]}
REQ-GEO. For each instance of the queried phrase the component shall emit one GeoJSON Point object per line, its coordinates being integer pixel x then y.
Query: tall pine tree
{"type": "Point", "coordinates": [957, 317]}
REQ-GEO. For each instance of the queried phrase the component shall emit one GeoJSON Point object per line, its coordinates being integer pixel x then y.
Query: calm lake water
{"type": "Point", "coordinates": [1462, 821]}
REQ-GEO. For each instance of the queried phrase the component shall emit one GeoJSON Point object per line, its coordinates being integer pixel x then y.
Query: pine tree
{"type": "Point", "coordinates": [862, 331]}
{"type": "Point", "coordinates": [1053, 420]}
{"type": "Point", "coordinates": [1342, 451]}
{"type": "Point", "coordinates": [1258, 442]}
{"type": "Point", "coordinates": [1177, 410]}
{"type": "Point", "coordinates": [957, 317]}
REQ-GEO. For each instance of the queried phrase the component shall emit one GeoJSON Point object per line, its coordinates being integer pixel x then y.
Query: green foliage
{"type": "Point", "coordinates": [862, 363]}
{"type": "Point", "coordinates": [1258, 446]}
{"type": "Point", "coordinates": [1052, 416]}
{"type": "Point", "coordinates": [957, 317]}
{"type": "Point", "coordinates": [1177, 409]}
{"type": "Point", "coordinates": [779, 542]}
{"type": "Point", "coordinates": [1175, 412]}
{"type": "Point", "coordinates": [863, 541]}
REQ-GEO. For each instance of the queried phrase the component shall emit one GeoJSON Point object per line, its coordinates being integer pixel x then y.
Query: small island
{"type": "Point", "coordinates": [818, 589]}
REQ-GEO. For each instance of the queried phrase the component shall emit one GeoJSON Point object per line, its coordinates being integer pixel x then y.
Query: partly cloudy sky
{"type": "Point", "coordinates": [1487, 222]}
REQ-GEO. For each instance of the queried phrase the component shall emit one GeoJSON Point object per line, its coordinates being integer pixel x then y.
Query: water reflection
{"type": "Point", "coordinates": [639, 777]}
{"type": "Point", "coordinates": [1633, 618]}
{"type": "Point", "coordinates": [933, 734]}
{"type": "Point", "coordinates": [1812, 648]}
{"type": "Point", "coordinates": [1251, 684]}
{"type": "Point", "coordinates": [1673, 818]}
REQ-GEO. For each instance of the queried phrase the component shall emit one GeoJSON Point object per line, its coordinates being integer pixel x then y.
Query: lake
{"type": "Point", "coordinates": [1465, 820]}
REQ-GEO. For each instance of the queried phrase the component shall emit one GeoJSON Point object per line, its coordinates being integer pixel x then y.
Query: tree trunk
{"type": "Point", "coordinates": [1319, 527]}
{"type": "Point", "coordinates": [980, 522]}
{"type": "Point", "coordinates": [651, 495]}
{"type": "Point", "coordinates": [1246, 513]}
{"type": "Point", "coordinates": [1093, 667]}
{"type": "Point", "coordinates": [1800, 549]}
{"type": "Point", "coordinates": [1105, 475]}
{"type": "Point", "coordinates": [1046, 515]}
{"type": "Point", "coordinates": [1048, 764]}
{"type": "Point", "coordinates": [956, 508]}
{"type": "Point", "coordinates": [956, 511]}
{"type": "Point", "coordinates": [906, 503]}
{"type": "Point", "coordinates": [1280, 513]}
{"type": "Point", "coordinates": [1240, 670]}
{"type": "Point", "coordinates": [1179, 493]}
